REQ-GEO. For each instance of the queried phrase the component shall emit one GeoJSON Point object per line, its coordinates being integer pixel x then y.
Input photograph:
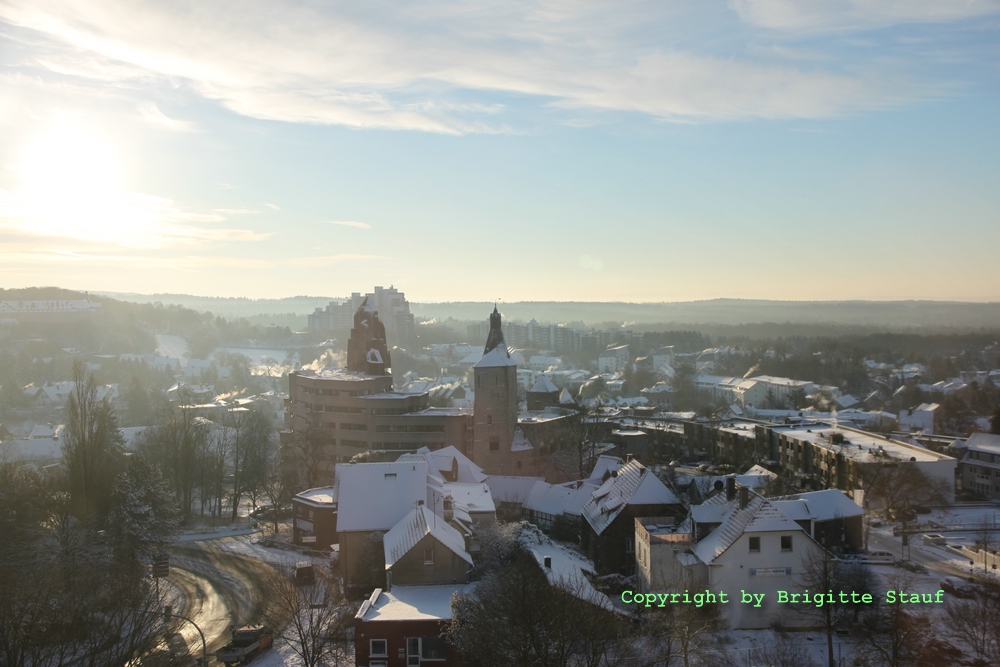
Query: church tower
{"type": "Point", "coordinates": [495, 407]}
{"type": "Point", "coordinates": [367, 350]}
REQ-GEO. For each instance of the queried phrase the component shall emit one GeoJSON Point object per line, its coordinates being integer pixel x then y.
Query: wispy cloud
{"type": "Point", "coordinates": [152, 114]}
{"type": "Point", "coordinates": [273, 207]}
{"type": "Point", "coordinates": [840, 15]}
{"type": "Point", "coordinates": [591, 263]}
{"type": "Point", "coordinates": [330, 259]}
{"type": "Point", "coordinates": [441, 68]}
{"type": "Point", "coordinates": [350, 223]}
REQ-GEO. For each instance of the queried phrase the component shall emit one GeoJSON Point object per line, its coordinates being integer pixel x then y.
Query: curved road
{"type": "Point", "coordinates": [221, 589]}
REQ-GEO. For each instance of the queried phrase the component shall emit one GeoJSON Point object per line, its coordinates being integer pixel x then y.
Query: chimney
{"type": "Point", "coordinates": [449, 507]}
{"type": "Point", "coordinates": [744, 496]}
{"type": "Point", "coordinates": [628, 457]}
{"type": "Point", "coordinates": [548, 562]}
{"type": "Point", "coordinates": [730, 489]}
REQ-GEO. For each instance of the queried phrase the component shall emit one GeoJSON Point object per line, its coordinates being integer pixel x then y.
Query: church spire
{"type": "Point", "coordinates": [495, 337]}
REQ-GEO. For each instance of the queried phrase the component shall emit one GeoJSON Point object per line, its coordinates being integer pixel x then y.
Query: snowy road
{"type": "Point", "coordinates": [221, 589]}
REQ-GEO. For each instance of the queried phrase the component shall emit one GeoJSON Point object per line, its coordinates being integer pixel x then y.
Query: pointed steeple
{"type": "Point", "coordinates": [495, 338]}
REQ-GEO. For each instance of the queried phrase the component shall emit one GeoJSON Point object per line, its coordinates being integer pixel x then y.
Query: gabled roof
{"type": "Point", "coordinates": [414, 527]}
{"type": "Point", "coordinates": [511, 489]}
{"type": "Point", "coordinates": [543, 386]}
{"type": "Point", "coordinates": [375, 496]}
{"type": "Point", "coordinates": [605, 463]}
{"type": "Point", "coordinates": [447, 459]}
{"type": "Point", "coordinates": [632, 485]}
{"type": "Point", "coordinates": [759, 516]}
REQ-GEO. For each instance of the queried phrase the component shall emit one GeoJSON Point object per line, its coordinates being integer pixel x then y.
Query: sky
{"type": "Point", "coordinates": [513, 150]}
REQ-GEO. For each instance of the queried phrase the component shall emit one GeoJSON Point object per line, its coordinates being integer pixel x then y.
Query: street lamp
{"type": "Point", "coordinates": [168, 614]}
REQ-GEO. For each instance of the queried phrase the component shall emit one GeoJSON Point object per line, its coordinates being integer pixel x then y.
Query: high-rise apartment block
{"type": "Point", "coordinates": [391, 304]}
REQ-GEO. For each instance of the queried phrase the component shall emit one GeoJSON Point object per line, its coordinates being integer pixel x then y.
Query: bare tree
{"type": "Point", "coordinates": [515, 617]}
{"type": "Point", "coordinates": [986, 533]}
{"type": "Point", "coordinates": [675, 634]}
{"type": "Point", "coordinates": [822, 572]}
{"type": "Point", "coordinates": [976, 622]}
{"type": "Point", "coordinates": [575, 452]}
{"type": "Point", "coordinates": [312, 619]}
{"type": "Point", "coordinates": [891, 635]}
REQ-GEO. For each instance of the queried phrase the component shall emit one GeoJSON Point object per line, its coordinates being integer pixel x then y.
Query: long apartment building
{"type": "Point", "coordinates": [818, 455]}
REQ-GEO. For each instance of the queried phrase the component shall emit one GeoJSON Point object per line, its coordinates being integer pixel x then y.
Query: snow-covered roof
{"type": "Point", "coordinates": [476, 498]}
{"type": "Point", "coordinates": [543, 386]}
{"type": "Point", "coordinates": [447, 460]}
{"type": "Point", "coordinates": [605, 463]}
{"type": "Point", "coordinates": [520, 442]}
{"type": "Point", "coordinates": [567, 571]}
{"type": "Point", "coordinates": [324, 495]}
{"type": "Point", "coordinates": [556, 499]}
{"type": "Point", "coordinates": [411, 603]}
{"type": "Point", "coordinates": [760, 515]}
{"type": "Point", "coordinates": [376, 496]}
{"type": "Point", "coordinates": [511, 489]}
{"type": "Point", "coordinates": [758, 471]}
{"type": "Point", "coordinates": [984, 442]}
{"type": "Point", "coordinates": [414, 527]}
{"type": "Point", "coordinates": [632, 485]}
{"type": "Point", "coordinates": [498, 356]}
{"type": "Point", "coordinates": [46, 431]}
{"type": "Point", "coordinates": [710, 513]}
{"type": "Point", "coordinates": [565, 398]}
{"type": "Point", "coordinates": [819, 505]}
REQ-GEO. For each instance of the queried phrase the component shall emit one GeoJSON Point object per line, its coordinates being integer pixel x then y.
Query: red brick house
{"type": "Point", "coordinates": [403, 627]}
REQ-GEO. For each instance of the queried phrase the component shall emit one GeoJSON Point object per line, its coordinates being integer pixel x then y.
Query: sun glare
{"type": "Point", "coordinates": [71, 187]}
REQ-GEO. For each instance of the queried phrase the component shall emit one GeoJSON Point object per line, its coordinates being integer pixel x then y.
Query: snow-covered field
{"type": "Point", "coordinates": [172, 346]}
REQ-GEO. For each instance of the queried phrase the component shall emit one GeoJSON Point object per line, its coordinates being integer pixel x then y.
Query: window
{"type": "Point", "coordinates": [425, 648]}
{"type": "Point", "coordinates": [390, 476]}
{"type": "Point", "coordinates": [494, 444]}
{"type": "Point", "coordinates": [786, 542]}
{"type": "Point", "coordinates": [379, 648]}
{"type": "Point", "coordinates": [428, 556]}
{"type": "Point", "coordinates": [433, 648]}
{"type": "Point", "coordinates": [754, 544]}
{"type": "Point", "coordinates": [629, 545]}
{"type": "Point", "coordinates": [489, 419]}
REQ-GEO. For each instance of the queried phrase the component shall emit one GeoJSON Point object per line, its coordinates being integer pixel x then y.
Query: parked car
{"type": "Point", "coordinates": [305, 574]}
{"type": "Point", "coordinates": [912, 566]}
{"type": "Point", "coordinates": [878, 558]}
{"type": "Point", "coordinates": [958, 587]}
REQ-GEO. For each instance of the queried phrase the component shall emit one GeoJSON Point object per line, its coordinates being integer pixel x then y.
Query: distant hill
{"type": "Point", "coordinates": [877, 314]}
{"type": "Point", "coordinates": [232, 306]}
{"type": "Point", "coordinates": [838, 315]}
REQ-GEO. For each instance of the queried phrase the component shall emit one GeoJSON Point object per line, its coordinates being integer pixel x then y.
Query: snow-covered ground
{"type": "Point", "coordinates": [172, 346]}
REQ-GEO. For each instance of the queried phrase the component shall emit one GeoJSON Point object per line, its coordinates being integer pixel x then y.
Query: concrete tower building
{"type": "Point", "coordinates": [495, 407]}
